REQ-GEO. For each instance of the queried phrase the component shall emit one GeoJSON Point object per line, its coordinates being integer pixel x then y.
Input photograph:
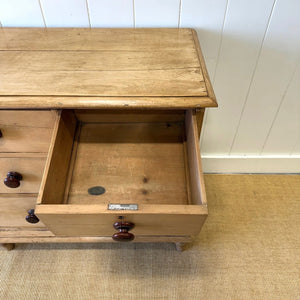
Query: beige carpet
{"type": "Point", "coordinates": [248, 249]}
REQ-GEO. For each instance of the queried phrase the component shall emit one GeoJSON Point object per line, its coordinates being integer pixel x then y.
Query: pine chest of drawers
{"type": "Point", "coordinates": [100, 135]}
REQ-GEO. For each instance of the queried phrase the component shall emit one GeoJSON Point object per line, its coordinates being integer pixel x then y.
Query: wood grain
{"type": "Point", "coordinates": [197, 187]}
{"type": "Point", "coordinates": [131, 116]}
{"type": "Point", "coordinates": [134, 162]}
{"type": "Point", "coordinates": [89, 60]}
{"type": "Point", "coordinates": [57, 164]}
{"type": "Point", "coordinates": [27, 118]}
{"type": "Point", "coordinates": [14, 210]}
{"type": "Point", "coordinates": [30, 168]}
{"type": "Point", "coordinates": [58, 102]}
{"type": "Point", "coordinates": [122, 83]}
{"type": "Point", "coordinates": [26, 131]}
{"type": "Point", "coordinates": [130, 173]}
{"type": "Point", "coordinates": [96, 220]}
{"type": "Point", "coordinates": [152, 133]}
{"type": "Point", "coordinates": [50, 238]}
{"type": "Point", "coordinates": [121, 67]}
{"type": "Point", "coordinates": [200, 117]}
{"type": "Point", "coordinates": [96, 39]}
{"type": "Point", "coordinates": [23, 155]}
{"type": "Point", "coordinates": [208, 84]}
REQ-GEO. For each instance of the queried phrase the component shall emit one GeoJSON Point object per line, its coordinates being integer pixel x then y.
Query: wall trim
{"type": "Point", "coordinates": [251, 164]}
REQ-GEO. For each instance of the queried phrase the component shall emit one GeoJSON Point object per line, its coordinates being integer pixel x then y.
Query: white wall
{"type": "Point", "coordinates": [252, 50]}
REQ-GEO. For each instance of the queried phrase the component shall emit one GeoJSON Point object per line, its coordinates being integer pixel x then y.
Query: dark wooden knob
{"type": "Point", "coordinates": [123, 235]}
{"type": "Point", "coordinates": [13, 179]}
{"type": "Point", "coordinates": [1, 135]}
{"type": "Point", "coordinates": [31, 217]}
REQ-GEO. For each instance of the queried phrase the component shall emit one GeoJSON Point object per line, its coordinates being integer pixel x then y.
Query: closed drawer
{"type": "Point", "coordinates": [25, 131]}
{"type": "Point", "coordinates": [154, 163]}
{"type": "Point", "coordinates": [30, 168]}
{"type": "Point", "coordinates": [13, 210]}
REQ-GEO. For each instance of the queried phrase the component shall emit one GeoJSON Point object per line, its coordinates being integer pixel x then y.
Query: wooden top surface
{"type": "Point", "coordinates": [104, 68]}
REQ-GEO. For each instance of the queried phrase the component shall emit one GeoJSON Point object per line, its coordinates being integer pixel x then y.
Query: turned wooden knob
{"type": "Point", "coordinates": [31, 217]}
{"type": "Point", "coordinates": [123, 235]}
{"type": "Point", "coordinates": [13, 179]}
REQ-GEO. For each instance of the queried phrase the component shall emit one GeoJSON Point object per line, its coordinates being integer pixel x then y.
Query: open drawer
{"type": "Point", "coordinates": [98, 158]}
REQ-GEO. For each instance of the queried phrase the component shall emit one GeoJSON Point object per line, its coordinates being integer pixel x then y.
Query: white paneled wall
{"type": "Point", "coordinates": [157, 13]}
{"type": "Point", "coordinates": [243, 32]}
{"type": "Point", "coordinates": [273, 74]}
{"type": "Point", "coordinates": [112, 13]}
{"type": "Point", "coordinates": [284, 130]}
{"type": "Point", "coordinates": [66, 13]}
{"type": "Point", "coordinates": [252, 50]}
{"type": "Point", "coordinates": [25, 13]}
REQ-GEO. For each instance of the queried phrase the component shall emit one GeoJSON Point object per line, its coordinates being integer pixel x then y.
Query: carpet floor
{"type": "Point", "coordinates": [248, 249]}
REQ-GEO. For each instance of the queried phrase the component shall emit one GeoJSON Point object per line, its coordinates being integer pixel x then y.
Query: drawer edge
{"type": "Point", "coordinates": [98, 239]}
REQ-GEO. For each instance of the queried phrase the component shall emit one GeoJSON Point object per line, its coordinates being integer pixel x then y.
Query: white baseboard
{"type": "Point", "coordinates": [251, 164]}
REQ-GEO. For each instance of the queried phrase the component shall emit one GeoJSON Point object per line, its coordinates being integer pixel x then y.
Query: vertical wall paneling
{"type": "Point", "coordinates": [113, 13]}
{"type": "Point", "coordinates": [243, 34]}
{"type": "Point", "coordinates": [296, 150]}
{"type": "Point", "coordinates": [25, 13]}
{"type": "Point", "coordinates": [156, 13]}
{"type": "Point", "coordinates": [207, 17]}
{"type": "Point", "coordinates": [66, 13]}
{"type": "Point", "coordinates": [285, 131]}
{"type": "Point", "coordinates": [277, 63]}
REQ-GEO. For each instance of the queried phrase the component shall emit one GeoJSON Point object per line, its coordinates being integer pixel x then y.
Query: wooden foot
{"type": "Point", "coordinates": [9, 246]}
{"type": "Point", "coordinates": [180, 246]}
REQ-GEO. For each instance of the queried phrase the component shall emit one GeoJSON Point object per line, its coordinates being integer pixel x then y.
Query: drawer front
{"type": "Point", "coordinates": [31, 169]}
{"type": "Point", "coordinates": [26, 131]}
{"type": "Point", "coordinates": [14, 209]}
{"type": "Point", "coordinates": [97, 220]}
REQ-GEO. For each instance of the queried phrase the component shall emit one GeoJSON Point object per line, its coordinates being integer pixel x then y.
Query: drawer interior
{"type": "Point", "coordinates": [129, 163]}
{"type": "Point", "coordinates": [97, 158]}
{"type": "Point", "coordinates": [100, 160]}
